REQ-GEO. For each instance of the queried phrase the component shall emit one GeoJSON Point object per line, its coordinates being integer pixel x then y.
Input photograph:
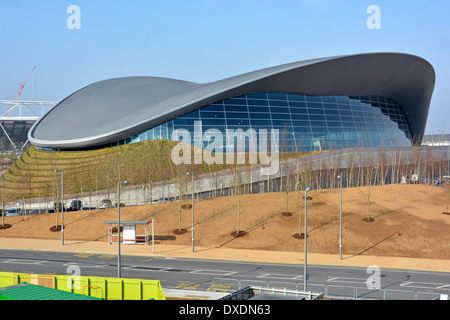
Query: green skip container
{"type": "Point", "coordinates": [26, 291]}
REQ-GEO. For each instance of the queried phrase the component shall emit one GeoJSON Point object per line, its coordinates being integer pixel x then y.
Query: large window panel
{"type": "Point", "coordinates": [307, 120]}
{"type": "Point", "coordinates": [332, 118]}
{"type": "Point", "coordinates": [298, 104]}
{"type": "Point", "coordinates": [257, 96]}
{"type": "Point", "coordinates": [259, 109]}
{"type": "Point", "coordinates": [236, 101]}
{"type": "Point", "coordinates": [334, 124]}
{"type": "Point", "coordinates": [213, 107]}
{"type": "Point", "coordinates": [278, 103]}
{"type": "Point", "coordinates": [256, 102]}
{"type": "Point", "coordinates": [300, 123]}
{"type": "Point", "coordinates": [280, 116]}
{"type": "Point", "coordinates": [182, 122]}
{"type": "Point", "coordinates": [333, 111]}
{"type": "Point", "coordinates": [346, 118]}
{"type": "Point", "coordinates": [261, 115]}
{"type": "Point", "coordinates": [316, 111]}
{"type": "Point", "coordinates": [278, 96]}
{"type": "Point", "coordinates": [282, 123]}
{"type": "Point", "coordinates": [238, 122]}
{"type": "Point", "coordinates": [300, 117]}
{"type": "Point", "coordinates": [212, 114]}
{"type": "Point", "coordinates": [194, 114]}
{"type": "Point", "coordinates": [316, 117]}
{"type": "Point", "coordinates": [317, 99]}
{"type": "Point", "coordinates": [295, 97]}
{"type": "Point", "coordinates": [260, 122]}
{"type": "Point", "coordinates": [279, 109]}
{"type": "Point", "coordinates": [299, 110]}
{"type": "Point", "coordinates": [213, 122]}
{"type": "Point", "coordinates": [328, 99]}
{"type": "Point", "coordinates": [236, 108]}
{"type": "Point", "coordinates": [236, 115]}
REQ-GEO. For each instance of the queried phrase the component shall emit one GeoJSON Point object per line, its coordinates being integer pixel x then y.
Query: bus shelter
{"type": "Point", "coordinates": [129, 232]}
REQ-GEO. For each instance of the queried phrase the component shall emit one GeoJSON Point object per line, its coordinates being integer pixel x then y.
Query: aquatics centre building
{"type": "Point", "coordinates": [372, 100]}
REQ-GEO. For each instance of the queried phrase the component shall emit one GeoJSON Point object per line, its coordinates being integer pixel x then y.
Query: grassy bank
{"type": "Point", "coordinates": [33, 174]}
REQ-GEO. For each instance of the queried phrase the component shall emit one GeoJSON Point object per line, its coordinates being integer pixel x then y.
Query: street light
{"type": "Point", "coordinates": [340, 217]}
{"type": "Point", "coordinates": [62, 204]}
{"type": "Point", "coordinates": [306, 237]}
{"type": "Point", "coordinates": [118, 227]}
{"type": "Point", "coordinates": [192, 186]}
{"type": "Point", "coordinates": [108, 187]}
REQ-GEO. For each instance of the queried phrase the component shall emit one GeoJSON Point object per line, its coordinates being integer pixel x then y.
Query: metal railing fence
{"type": "Point", "coordinates": [328, 291]}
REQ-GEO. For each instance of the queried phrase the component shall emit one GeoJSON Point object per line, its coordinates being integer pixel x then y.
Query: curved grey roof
{"type": "Point", "coordinates": [115, 109]}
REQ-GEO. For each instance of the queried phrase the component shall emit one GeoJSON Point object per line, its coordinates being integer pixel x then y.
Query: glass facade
{"type": "Point", "coordinates": [304, 122]}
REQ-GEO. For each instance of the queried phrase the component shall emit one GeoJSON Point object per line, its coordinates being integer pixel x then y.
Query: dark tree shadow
{"type": "Point", "coordinates": [376, 244]}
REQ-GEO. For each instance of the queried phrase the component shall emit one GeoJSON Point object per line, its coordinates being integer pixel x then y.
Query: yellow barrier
{"type": "Point", "coordinates": [100, 287]}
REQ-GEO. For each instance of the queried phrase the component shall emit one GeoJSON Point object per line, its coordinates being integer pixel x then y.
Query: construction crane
{"type": "Point", "coordinates": [20, 93]}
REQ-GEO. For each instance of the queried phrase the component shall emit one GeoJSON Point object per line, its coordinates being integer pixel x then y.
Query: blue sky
{"type": "Point", "coordinates": [208, 40]}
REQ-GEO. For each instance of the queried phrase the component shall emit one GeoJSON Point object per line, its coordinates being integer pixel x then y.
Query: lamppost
{"type": "Point", "coordinates": [192, 186]}
{"type": "Point", "coordinates": [340, 216]}
{"type": "Point", "coordinates": [3, 203]}
{"type": "Point", "coordinates": [62, 204]}
{"type": "Point", "coordinates": [305, 274]}
{"type": "Point", "coordinates": [448, 159]}
{"type": "Point", "coordinates": [108, 187]}
{"type": "Point", "coordinates": [118, 227]}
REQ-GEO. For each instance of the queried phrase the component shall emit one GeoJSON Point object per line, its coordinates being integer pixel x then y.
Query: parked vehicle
{"type": "Point", "coordinates": [57, 207]}
{"type": "Point", "coordinates": [106, 203]}
{"type": "Point", "coordinates": [88, 208]}
{"type": "Point", "coordinates": [12, 212]}
{"type": "Point", "coordinates": [75, 205]}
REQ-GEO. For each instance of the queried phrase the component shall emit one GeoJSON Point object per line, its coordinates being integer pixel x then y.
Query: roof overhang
{"type": "Point", "coordinates": [115, 109]}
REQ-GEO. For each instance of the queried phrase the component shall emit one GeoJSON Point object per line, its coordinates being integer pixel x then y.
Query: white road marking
{"type": "Point", "coordinates": [280, 276]}
{"type": "Point", "coordinates": [82, 265]}
{"type": "Point", "coordinates": [425, 285]}
{"type": "Point", "coordinates": [24, 261]}
{"type": "Point", "coordinates": [213, 272]}
{"type": "Point", "coordinates": [348, 280]}
{"type": "Point", "coordinates": [144, 268]}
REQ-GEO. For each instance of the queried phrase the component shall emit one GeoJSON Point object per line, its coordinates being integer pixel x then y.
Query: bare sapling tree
{"type": "Point", "coordinates": [448, 195]}
{"type": "Point", "coordinates": [382, 163]}
{"type": "Point", "coordinates": [300, 207]}
{"type": "Point", "coordinates": [288, 186]}
{"type": "Point", "coordinates": [371, 171]}
{"type": "Point", "coordinates": [57, 202]}
{"type": "Point", "coordinates": [237, 185]}
{"type": "Point", "coordinates": [3, 202]}
{"type": "Point", "coordinates": [304, 178]}
{"type": "Point", "coordinates": [179, 177]}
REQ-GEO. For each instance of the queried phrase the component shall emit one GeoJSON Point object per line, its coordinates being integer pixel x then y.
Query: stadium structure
{"type": "Point", "coordinates": [372, 99]}
{"type": "Point", "coordinates": [15, 124]}
{"type": "Point", "coordinates": [18, 118]}
{"type": "Point", "coordinates": [438, 139]}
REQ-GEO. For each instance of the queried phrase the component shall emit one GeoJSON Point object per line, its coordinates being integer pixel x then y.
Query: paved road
{"type": "Point", "coordinates": [201, 275]}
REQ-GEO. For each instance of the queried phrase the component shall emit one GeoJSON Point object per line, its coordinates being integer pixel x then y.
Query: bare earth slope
{"type": "Point", "coordinates": [408, 222]}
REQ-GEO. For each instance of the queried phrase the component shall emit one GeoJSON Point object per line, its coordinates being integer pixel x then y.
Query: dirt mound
{"type": "Point", "coordinates": [406, 221]}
